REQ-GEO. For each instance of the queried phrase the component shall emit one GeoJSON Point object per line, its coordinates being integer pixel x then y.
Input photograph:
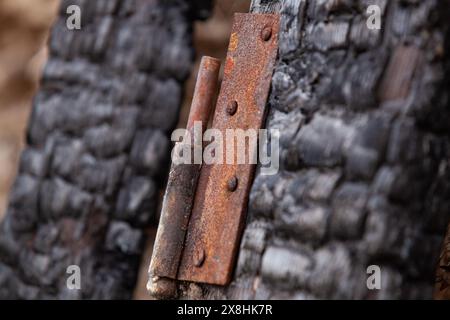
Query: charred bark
{"type": "Point", "coordinates": [98, 149]}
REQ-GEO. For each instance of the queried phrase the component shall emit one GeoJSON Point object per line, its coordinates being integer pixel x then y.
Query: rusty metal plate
{"type": "Point", "coordinates": [220, 204]}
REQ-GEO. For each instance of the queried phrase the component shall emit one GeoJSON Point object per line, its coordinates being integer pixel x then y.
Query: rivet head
{"type": "Point", "coordinates": [232, 184]}
{"type": "Point", "coordinates": [199, 257]}
{"type": "Point", "coordinates": [232, 107]}
{"type": "Point", "coordinates": [266, 33]}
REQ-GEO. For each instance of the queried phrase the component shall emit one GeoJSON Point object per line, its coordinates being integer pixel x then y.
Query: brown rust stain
{"type": "Point", "coordinates": [234, 40]}
{"type": "Point", "coordinates": [229, 65]}
{"type": "Point", "coordinates": [218, 214]}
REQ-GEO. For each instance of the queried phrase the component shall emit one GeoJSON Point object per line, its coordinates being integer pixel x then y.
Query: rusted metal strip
{"type": "Point", "coordinates": [180, 190]}
{"type": "Point", "coordinates": [221, 198]}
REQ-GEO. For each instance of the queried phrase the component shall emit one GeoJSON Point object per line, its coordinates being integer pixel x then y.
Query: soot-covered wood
{"type": "Point", "coordinates": [98, 149]}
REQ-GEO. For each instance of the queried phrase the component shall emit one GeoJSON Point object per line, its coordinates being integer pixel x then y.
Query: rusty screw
{"type": "Point", "coordinates": [232, 184]}
{"type": "Point", "coordinates": [232, 107]}
{"type": "Point", "coordinates": [199, 257]}
{"type": "Point", "coordinates": [266, 33]}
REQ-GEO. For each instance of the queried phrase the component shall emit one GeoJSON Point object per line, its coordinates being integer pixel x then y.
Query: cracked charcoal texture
{"type": "Point", "coordinates": [97, 149]}
{"type": "Point", "coordinates": [365, 149]}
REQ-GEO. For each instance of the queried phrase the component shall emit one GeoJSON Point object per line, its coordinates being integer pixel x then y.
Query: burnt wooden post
{"type": "Point", "coordinates": [364, 177]}
{"type": "Point", "coordinates": [98, 149]}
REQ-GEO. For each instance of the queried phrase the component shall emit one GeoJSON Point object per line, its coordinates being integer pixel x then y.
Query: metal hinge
{"type": "Point", "coordinates": [204, 206]}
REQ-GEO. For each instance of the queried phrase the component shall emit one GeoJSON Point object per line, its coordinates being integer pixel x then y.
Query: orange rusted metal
{"type": "Point", "coordinates": [205, 92]}
{"type": "Point", "coordinates": [180, 189]}
{"type": "Point", "coordinates": [220, 205]}
{"type": "Point", "coordinates": [205, 206]}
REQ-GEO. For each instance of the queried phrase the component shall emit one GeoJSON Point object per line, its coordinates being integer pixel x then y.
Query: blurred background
{"type": "Point", "coordinates": [24, 26]}
{"type": "Point", "coordinates": [24, 30]}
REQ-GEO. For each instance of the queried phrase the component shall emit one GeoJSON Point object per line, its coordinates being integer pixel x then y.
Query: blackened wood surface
{"type": "Point", "coordinates": [364, 177]}
{"type": "Point", "coordinates": [98, 149]}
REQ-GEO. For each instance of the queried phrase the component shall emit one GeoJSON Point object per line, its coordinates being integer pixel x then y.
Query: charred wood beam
{"type": "Point", "coordinates": [97, 149]}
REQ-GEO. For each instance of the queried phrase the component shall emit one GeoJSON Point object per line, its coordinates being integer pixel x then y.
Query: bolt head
{"type": "Point", "coordinates": [232, 107]}
{"type": "Point", "coordinates": [199, 257]}
{"type": "Point", "coordinates": [232, 184]}
{"type": "Point", "coordinates": [266, 33]}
